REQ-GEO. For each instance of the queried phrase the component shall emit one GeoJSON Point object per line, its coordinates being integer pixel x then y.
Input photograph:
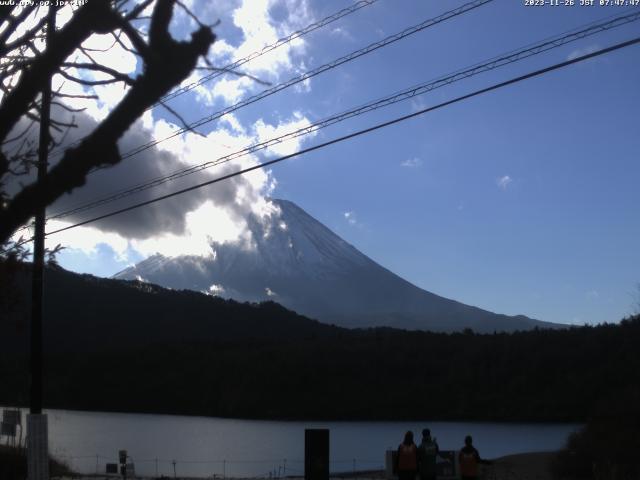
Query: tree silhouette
{"type": "Point", "coordinates": [27, 65]}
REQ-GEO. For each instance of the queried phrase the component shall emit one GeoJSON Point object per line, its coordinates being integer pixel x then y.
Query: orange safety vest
{"type": "Point", "coordinates": [468, 463]}
{"type": "Point", "coordinates": [407, 457]}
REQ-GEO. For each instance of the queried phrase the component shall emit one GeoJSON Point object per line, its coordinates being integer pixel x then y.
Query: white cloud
{"type": "Point", "coordinates": [342, 33]}
{"type": "Point", "coordinates": [504, 182]}
{"type": "Point", "coordinates": [206, 224]}
{"type": "Point", "coordinates": [187, 224]}
{"type": "Point", "coordinates": [105, 51]}
{"type": "Point", "coordinates": [231, 90]}
{"type": "Point", "coordinates": [417, 104]}
{"type": "Point", "coordinates": [350, 217]}
{"type": "Point", "coordinates": [265, 132]}
{"type": "Point", "coordinates": [87, 239]}
{"type": "Point", "coordinates": [412, 162]}
{"type": "Point", "coordinates": [216, 290]}
{"type": "Point", "coordinates": [259, 29]}
{"type": "Point", "coordinates": [582, 51]}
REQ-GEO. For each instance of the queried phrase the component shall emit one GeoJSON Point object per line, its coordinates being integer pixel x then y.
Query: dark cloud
{"type": "Point", "coordinates": [166, 216]}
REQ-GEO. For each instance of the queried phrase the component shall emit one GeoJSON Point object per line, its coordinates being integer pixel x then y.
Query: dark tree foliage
{"type": "Point", "coordinates": [607, 447]}
{"type": "Point", "coordinates": [189, 353]}
{"type": "Point", "coordinates": [13, 464]}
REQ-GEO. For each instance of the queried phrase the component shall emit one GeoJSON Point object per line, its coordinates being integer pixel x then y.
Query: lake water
{"type": "Point", "coordinates": [203, 446]}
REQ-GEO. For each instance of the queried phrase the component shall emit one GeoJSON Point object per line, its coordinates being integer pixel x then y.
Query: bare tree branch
{"type": "Point", "coordinates": [133, 14]}
{"type": "Point", "coordinates": [93, 83]}
{"type": "Point", "coordinates": [121, 43]}
{"type": "Point", "coordinates": [185, 125]}
{"type": "Point", "coordinates": [67, 107]}
{"type": "Point", "coordinates": [93, 17]}
{"type": "Point", "coordinates": [66, 95]}
{"type": "Point", "coordinates": [26, 37]}
{"type": "Point", "coordinates": [20, 135]}
{"type": "Point", "coordinates": [15, 21]}
{"type": "Point", "coordinates": [236, 73]}
{"type": "Point", "coordinates": [57, 124]}
{"type": "Point", "coordinates": [167, 63]}
{"type": "Point", "coordinates": [122, 77]}
{"type": "Point", "coordinates": [135, 38]}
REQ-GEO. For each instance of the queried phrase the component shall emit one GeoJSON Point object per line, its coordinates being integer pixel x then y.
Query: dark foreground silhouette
{"type": "Point", "coordinates": [186, 353]}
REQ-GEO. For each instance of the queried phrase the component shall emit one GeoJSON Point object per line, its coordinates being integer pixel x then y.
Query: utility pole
{"type": "Point", "coordinates": [37, 426]}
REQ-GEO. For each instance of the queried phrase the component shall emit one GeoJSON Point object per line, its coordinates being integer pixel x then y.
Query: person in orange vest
{"type": "Point", "coordinates": [469, 459]}
{"type": "Point", "coordinates": [407, 458]}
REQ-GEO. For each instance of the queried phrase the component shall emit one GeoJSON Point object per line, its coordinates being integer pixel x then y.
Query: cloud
{"type": "Point", "coordinates": [105, 51]}
{"type": "Point", "coordinates": [216, 290]}
{"type": "Point", "coordinates": [504, 182]}
{"type": "Point", "coordinates": [260, 23]}
{"type": "Point", "coordinates": [412, 163]}
{"type": "Point", "coordinates": [168, 217]}
{"type": "Point", "coordinates": [583, 51]}
{"type": "Point", "coordinates": [206, 224]}
{"type": "Point", "coordinates": [188, 223]}
{"type": "Point", "coordinates": [342, 33]}
{"type": "Point", "coordinates": [192, 222]}
{"type": "Point", "coordinates": [350, 217]}
{"type": "Point", "coordinates": [296, 122]}
{"type": "Point", "coordinates": [592, 295]}
{"type": "Point", "coordinates": [417, 104]}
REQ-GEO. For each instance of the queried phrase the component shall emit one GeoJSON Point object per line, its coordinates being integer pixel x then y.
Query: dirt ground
{"type": "Point", "coordinates": [524, 466]}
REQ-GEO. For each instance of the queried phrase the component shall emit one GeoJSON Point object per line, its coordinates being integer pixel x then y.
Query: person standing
{"type": "Point", "coordinates": [407, 458]}
{"type": "Point", "coordinates": [469, 460]}
{"type": "Point", "coordinates": [427, 452]}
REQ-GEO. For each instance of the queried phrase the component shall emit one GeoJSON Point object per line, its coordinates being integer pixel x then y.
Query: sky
{"type": "Point", "coordinates": [519, 201]}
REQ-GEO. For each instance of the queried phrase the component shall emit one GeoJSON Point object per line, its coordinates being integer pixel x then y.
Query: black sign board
{"type": "Point", "coordinates": [316, 454]}
{"type": "Point", "coordinates": [112, 468]}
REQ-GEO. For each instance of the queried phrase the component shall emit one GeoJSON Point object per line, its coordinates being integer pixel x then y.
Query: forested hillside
{"type": "Point", "coordinates": [266, 362]}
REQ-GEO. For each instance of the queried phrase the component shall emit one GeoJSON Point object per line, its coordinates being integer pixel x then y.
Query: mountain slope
{"type": "Point", "coordinates": [87, 313]}
{"type": "Point", "coordinates": [301, 264]}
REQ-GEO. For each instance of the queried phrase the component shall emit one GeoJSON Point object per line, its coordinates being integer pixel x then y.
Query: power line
{"type": "Point", "coordinates": [305, 76]}
{"type": "Point", "coordinates": [238, 63]}
{"type": "Point", "coordinates": [493, 63]}
{"type": "Point", "coordinates": [252, 56]}
{"type": "Point", "coordinates": [358, 133]}
{"type": "Point", "coordinates": [312, 73]}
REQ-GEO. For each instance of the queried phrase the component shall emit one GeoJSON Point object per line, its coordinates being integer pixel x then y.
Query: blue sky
{"type": "Point", "coordinates": [521, 201]}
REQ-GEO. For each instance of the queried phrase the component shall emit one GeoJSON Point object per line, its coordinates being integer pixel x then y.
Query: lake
{"type": "Point", "coordinates": [202, 446]}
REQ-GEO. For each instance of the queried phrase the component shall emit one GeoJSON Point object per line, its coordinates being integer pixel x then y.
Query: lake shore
{"type": "Point", "coordinates": [532, 465]}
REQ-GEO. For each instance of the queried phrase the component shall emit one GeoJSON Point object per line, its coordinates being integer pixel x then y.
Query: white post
{"type": "Point", "coordinates": [37, 446]}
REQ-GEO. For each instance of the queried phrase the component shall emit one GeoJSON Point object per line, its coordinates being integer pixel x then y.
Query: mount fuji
{"type": "Point", "coordinates": [301, 264]}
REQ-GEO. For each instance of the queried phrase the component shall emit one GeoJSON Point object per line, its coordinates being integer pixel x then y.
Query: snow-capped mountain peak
{"type": "Point", "coordinates": [297, 261]}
